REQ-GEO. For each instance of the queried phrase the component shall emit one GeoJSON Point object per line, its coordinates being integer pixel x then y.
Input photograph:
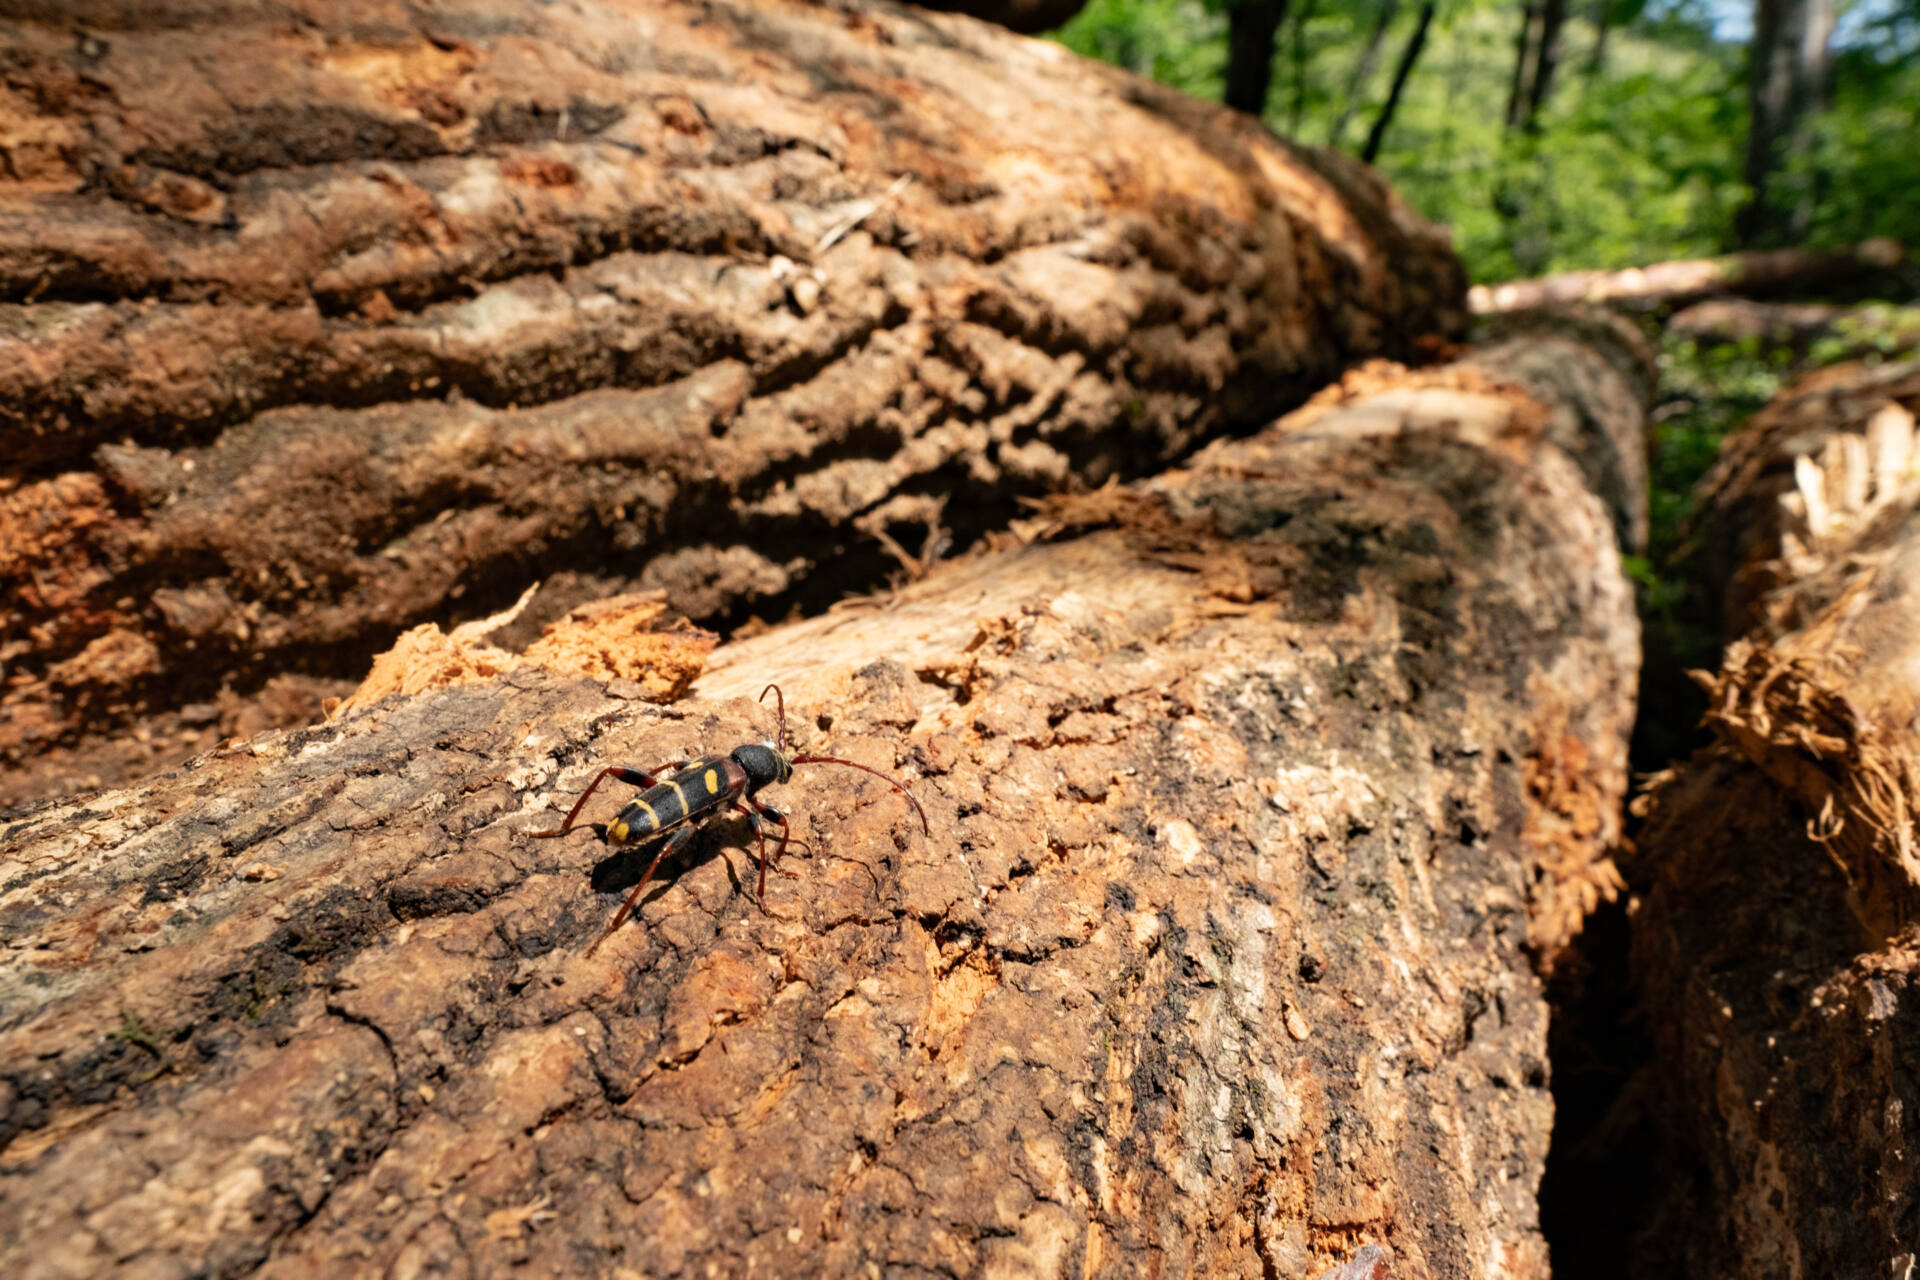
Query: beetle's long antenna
{"type": "Point", "coordinates": [781, 699]}
{"type": "Point", "coordinates": [895, 783]}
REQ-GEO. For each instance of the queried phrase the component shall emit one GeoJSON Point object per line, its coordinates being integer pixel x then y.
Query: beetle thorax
{"type": "Point", "coordinates": [764, 766]}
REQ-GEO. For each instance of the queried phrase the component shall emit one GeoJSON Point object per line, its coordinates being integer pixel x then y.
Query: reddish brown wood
{"type": "Point", "coordinates": [320, 321]}
{"type": "Point", "coordinates": [1257, 795]}
{"type": "Point", "coordinates": [1776, 946]}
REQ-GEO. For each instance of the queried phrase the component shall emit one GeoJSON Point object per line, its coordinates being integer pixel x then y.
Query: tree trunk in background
{"type": "Point", "coordinates": [1363, 71]}
{"type": "Point", "coordinates": [1252, 26]}
{"type": "Point", "coordinates": [1300, 18]}
{"type": "Point", "coordinates": [1523, 191]}
{"type": "Point", "coordinates": [1871, 268]}
{"type": "Point", "coordinates": [1026, 16]}
{"type": "Point", "coordinates": [1788, 74]}
{"type": "Point", "coordinates": [1415, 43]}
{"type": "Point", "coordinates": [1546, 58]}
{"type": "Point", "coordinates": [393, 311]}
{"type": "Point", "coordinates": [1252, 806]}
{"type": "Point", "coordinates": [1776, 948]}
{"type": "Point", "coordinates": [1536, 55]}
{"type": "Point", "coordinates": [1601, 16]}
{"type": "Point", "coordinates": [1523, 47]}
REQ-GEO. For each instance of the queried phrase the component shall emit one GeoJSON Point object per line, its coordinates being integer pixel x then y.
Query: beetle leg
{"type": "Point", "coordinates": [761, 813]}
{"type": "Point", "coordinates": [760, 834]}
{"type": "Point", "coordinates": [674, 843]}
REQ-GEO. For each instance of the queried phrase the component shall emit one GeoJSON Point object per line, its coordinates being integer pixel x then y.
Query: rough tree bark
{"type": "Point", "coordinates": [318, 321]}
{"type": "Point", "coordinates": [1756, 273]}
{"type": "Point", "coordinates": [1255, 795]}
{"type": "Point", "coordinates": [1776, 947]}
{"type": "Point", "coordinates": [1724, 321]}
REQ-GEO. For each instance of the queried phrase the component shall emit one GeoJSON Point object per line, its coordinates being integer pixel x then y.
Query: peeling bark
{"type": "Point", "coordinates": [1777, 950]}
{"type": "Point", "coordinates": [1256, 792]}
{"type": "Point", "coordinates": [318, 323]}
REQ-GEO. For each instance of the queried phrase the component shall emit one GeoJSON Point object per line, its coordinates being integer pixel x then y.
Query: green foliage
{"type": "Point", "coordinates": [1630, 167]}
{"type": "Point", "coordinates": [1877, 330]}
{"type": "Point", "coordinates": [1637, 156]}
{"type": "Point", "coordinates": [1866, 165]}
{"type": "Point", "coordinates": [1708, 391]}
{"type": "Point", "coordinates": [1181, 43]}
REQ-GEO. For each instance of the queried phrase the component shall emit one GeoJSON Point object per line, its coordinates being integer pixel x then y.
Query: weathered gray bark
{"type": "Point", "coordinates": [1596, 372]}
{"type": "Point", "coordinates": [1776, 947]}
{"type": "Point", "coordinates": [1252, 806]}
{"type": "Point", "coordinates": [317, 322]}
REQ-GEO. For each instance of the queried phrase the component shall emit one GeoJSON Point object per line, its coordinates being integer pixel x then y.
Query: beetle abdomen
{"type": "Point", "coordinates": [701, 788]}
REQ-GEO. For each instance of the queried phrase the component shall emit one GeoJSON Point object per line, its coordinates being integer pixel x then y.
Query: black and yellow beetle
{"type": "Point", "coordinates": [701, 789]}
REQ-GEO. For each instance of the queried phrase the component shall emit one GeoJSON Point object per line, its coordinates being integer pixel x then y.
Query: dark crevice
{"type": "Point", "coordinates": [1602, 1178]}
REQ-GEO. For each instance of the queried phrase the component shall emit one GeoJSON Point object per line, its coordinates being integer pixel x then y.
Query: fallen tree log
{"type": "Point", "coordinates": [1776, 950]}
{"type": "Point", "coordinates": [320, 322]}
{"type": "Point", "coordinates": [1754, 273]}
{"type": "Point", "coordinates": [1257, 794]}
{"type": "Point", "coordinates": [1739, 321]}
{"type": "Point", "coordinates": [1753, 548]}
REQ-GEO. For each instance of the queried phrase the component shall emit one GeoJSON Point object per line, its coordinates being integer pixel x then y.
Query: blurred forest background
{"type": "Point", "coordinates": [1560, 134]}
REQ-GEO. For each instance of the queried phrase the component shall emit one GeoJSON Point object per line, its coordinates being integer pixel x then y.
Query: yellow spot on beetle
{"type": "Point", "coordinates": [618, 831]}
{"type": "Point", "coordinates": [713, 783]}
